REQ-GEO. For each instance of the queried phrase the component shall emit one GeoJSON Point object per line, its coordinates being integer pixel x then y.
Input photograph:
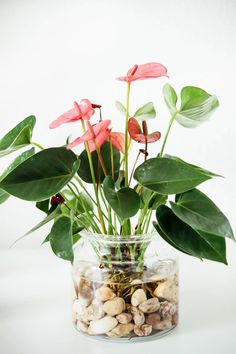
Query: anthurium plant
{"type": "Point", "coordinates": [97, 189]}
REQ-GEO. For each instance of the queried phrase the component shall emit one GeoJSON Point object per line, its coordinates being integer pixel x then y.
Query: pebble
{"type": "Point", "coordinates": [166, 324]}
{"type": "Point", "coordinates": [124, 318]}
{"type": "Point", "coordinates": [167, 290]}
{"type": "Point", "coordinates": [115, 306]}
{"type": "Point", "coordinates": [153, 319]}
{"type": "Point", "coordinates": [121, 330]}
{"type": "Point", "coordinates": [150, 305]}
{"type": "Point", "coordinates": [167, 309]}
{"type": "Point", "coordinates": [85, 294]}
{"type": "Point", "coordinates": [143, 330]}
{"type": "Point", "coordinates": [104, 325]}
{"type": "Point", "coordinates": [138, 297]}
{"type": "Point", "coordinates": [81, 326]}
{"type": "Point", "coordinates": [104, 293]}
{"type": "Point", "coordinates": [139, 318]}
{"type": "Point", "coordinates": [94, 311]}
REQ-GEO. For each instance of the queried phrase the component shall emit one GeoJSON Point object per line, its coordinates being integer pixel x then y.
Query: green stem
{"type": "Point", "coordinates": [112, 160]}
{"type": "Point", "coordinates": [84, 189]}
{"type": "Point", "coordinates": [94, 183]}
{"type": "Point", "coordinates": [167, 133]}
{"type": "Point", "coordinates": [89, 216]}
{"type": "Point", "coordinates": [37, 145]}
{"type": "Point", "coordinates": [126, 136]}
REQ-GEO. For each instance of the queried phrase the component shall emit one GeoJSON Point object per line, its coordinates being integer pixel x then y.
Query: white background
{"type": "Point", "coordinates": [55, 52]}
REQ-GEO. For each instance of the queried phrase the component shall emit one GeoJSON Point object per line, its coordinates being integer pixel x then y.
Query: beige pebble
{"type": "Point", "coordinates": [114, 307]}
{"type": "Point", "coordinates": [104, 325]}
{"type": "Point", "coordinates": [166, 324]}
{"type": "Point", "coordinates": [167, 290]}
{"type": "Point", "coordinates": [138, 297]}
{"type": "Point", "coordinates": [139, 318]}
{"type": "Point", "coordinates": [124, 318]}
{"type": "Point", "coordinates": [104, 293]}
{"type": "Point", "coordinates": [153, 319]}
{"type": "Point", "coordinates": [150, 305]}
{"type": "Point", "coordinates": [143, 330]}
{"type": "Point", "coordinates": [121, 330]}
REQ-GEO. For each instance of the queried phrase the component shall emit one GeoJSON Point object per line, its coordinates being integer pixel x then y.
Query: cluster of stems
{"type": "Point", "coordinates": [102, 219]}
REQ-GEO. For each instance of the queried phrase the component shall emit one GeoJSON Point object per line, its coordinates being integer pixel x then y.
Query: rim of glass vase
{"type": "Point", "coordinates": [121, 239]}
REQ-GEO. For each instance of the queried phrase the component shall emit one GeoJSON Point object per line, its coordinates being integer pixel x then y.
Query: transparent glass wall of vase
{"type": "Point", "coordinates": [124, 288]}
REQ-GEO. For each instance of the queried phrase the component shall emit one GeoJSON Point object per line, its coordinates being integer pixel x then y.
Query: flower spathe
{"type": "Point", "coordinates": [144, 71]}
{"type": "Point", "coordinates": [84, 111]}
{"type": "Point", "coordinates": [138, 135]}
{"type": "Point", "coordinates": [95, 136]}
{"type": "Point", "coordinates": [118, 141]}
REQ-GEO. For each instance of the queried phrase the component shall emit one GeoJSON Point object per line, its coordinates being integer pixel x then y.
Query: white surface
{"type": "Point", "coordinates": [35, 309]}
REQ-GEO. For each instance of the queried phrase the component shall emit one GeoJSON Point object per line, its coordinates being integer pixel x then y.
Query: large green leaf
{"type": "Point", "coordinates": [61, 239]}
{"type": "Point", "coordinates": [196, 105]}
{"type": "Point", "coordinates": [169, 176]}
{"type": "Point", "coordinates": [184, 238]}
{"type": "Point", "coordinates": [203, 170]}
{"type": "Point", "coordinates": [42, 175]}
{"type": "Point", "coordinates": [145, 112]}
{"type": "Point", "coordinates": [197, 210]}
{"type": "Point", "coordinates": [3, 196]}
{"type": "Point", "coordinates": [18, 137]}
{"type": "Point", "coordinates": [18, 160]}
{"type": "Point", "coordinates": [84, 170]}
{"type": "Point", "coordinates": [125, 202]}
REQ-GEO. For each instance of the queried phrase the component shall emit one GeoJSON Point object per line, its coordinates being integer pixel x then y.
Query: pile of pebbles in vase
{"type": "Point", "coordinates": [142, 309]}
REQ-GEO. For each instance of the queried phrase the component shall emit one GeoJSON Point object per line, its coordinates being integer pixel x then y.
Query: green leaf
{"type": "Point", "coordinates": [61, 238]}
{"type": "Point", "coordinates": [145, 112]}
{"type": "Point", "coordinates": [43, 205]}
{"type": "Point", "coordinates": [196, 106]}
{"type": "Point", "coordinates": [198, 211]}
{"type": "Point", "coordinates": [187, 240]}
{"type": "Point", "coordinates": [203, 170]}
{"type": "Point", "coordinates": [170, 97]}
{"type": "Point", "coordinates": [18, 137]}
{"type": "Point", "coordinates": [42, 175]}
{"type": "Point", "coordinates": [84, 170]}
{"type": "Point", "coordinates": [56, 213]}
{"type": "Point", "coordinates": [121, 108]}
{"type": "Point", "coordinates": [169, 176]}
{"type": "Point", "coordinates": [81, 202]}
{"type": "Point", "coordinates": [3, 196]}
{"type": "Point", "coordinates": [18, 160]}
{"type": "Point", "coordinates": [125, 202]}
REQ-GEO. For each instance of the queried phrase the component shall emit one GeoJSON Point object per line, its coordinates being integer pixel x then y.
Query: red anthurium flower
{"type": "Point", "coordinates": [84, 111]}
{"type": "Point", "coordinates": [118, 141]}
{"type": "Point", "coordinates": [138, 135]}
{"type": "Point", "coordinates": [98, 133]}
{"type": "Point", "coordinates": [144, 71]}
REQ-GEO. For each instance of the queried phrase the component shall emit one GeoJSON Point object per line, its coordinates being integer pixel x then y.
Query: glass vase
{"type": "Point", "coordinates": [124, 288]}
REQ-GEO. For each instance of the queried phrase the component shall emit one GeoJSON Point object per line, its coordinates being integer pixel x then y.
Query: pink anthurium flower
{"type": "Point", "coordinates": [138, 135]}
{"type": "Point", "coordinates": [144, 71]}
{"type": "Point", "coordinates": [96, 135]}
{"type": "Point", "coordinates": [118, 141]}
{"type": "Point", "coordinates": [84, 111]}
